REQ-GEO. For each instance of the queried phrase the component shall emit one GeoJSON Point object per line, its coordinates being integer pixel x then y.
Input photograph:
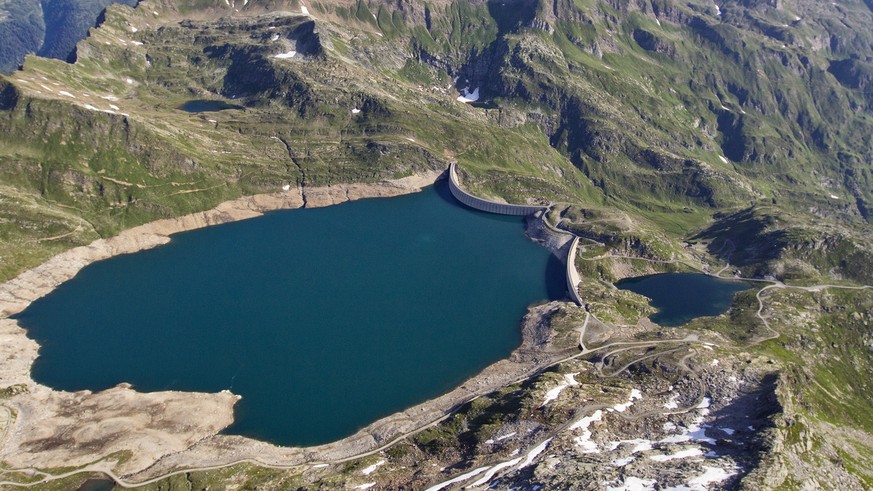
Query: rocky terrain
{"type": "Point", "coordinates": [50, 28]}
{"type": "Point", "coordinates": [731, 138]}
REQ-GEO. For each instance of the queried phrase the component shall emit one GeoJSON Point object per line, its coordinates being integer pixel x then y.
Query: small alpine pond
{"type": "Point", "coordinates": [681, 297]}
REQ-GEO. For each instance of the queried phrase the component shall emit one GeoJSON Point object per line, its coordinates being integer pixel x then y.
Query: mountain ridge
{"type": "Point", "coordinates": [732, 138]}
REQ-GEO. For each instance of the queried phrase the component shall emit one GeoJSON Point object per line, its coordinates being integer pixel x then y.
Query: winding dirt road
{"type": "Point", "coordinates": [688, 342]}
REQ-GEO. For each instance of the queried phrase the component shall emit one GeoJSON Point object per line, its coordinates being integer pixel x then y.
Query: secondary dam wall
{"type": "Point", "coordinates": [484, 204]}
{"type": "Point", "coordinates": [573, 278]}
{"type": "Point", "coordinates": [468, 199]}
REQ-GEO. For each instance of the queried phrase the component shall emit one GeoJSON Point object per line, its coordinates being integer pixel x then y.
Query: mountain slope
{"type": "Point", "coordinates": [673, 133]}
{"type": "Point", "coordinates": [50, 28]}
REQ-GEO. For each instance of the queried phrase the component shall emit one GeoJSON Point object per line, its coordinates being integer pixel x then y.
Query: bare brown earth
{"type": "Point", "coordinates": [163, 431]}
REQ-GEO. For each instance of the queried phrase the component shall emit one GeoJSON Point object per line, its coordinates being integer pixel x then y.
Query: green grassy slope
{"type": "Point", "coordinates": [663, 130]}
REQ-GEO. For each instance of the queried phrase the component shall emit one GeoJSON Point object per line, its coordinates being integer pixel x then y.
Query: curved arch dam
{"type": "Point", "coordinates": [572, 276]}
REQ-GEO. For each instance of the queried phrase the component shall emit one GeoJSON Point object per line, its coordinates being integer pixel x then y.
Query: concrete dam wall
{"type": "Point", "coordinates": [519, 210]}
{"type": "Point", "coordinates": [573, 278]}
{"type": "Point", "coordinates": [484, 204]}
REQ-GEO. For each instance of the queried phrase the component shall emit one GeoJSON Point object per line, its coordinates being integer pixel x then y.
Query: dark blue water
{"type": "Point", "coordinates": [680, 297]}
{"type": "Point", "coordinates": [207, 106]}
{"type": "Point", "coordinates": [97, 484]}
{"type": "Point", "coordinates": [324, 320]}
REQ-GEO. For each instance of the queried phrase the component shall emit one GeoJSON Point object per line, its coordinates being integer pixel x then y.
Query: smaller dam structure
{"type": "Point", "coordinates": [573, 278]}
{"type": "Point", "coordinates": [518, 210]}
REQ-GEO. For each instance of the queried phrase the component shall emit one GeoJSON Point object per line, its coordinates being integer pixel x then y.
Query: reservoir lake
{"type": "Point", "coordinates": [323, 320]}
{"type": "Point", "coordinates": [680, 297]}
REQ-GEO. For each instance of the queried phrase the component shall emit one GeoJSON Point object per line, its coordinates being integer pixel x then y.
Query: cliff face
{"type": "Point", "coordinates": [50, 28]}
{"type": "Point", "coordinates": [669, 132]}
{"type": "Point", "coordinates": [655, 106]}
{"type": "Point", "coordinates": [22, 29]}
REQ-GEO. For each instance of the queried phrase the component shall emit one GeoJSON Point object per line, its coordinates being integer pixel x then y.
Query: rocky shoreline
{"type": "Point", "coordinates": [146, 435]}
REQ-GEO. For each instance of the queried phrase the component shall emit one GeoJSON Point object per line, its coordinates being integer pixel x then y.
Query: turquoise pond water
{"type": "Point", "coordinates": [323, 320]}
{"type": "Point", "coordinates": [680, 297]}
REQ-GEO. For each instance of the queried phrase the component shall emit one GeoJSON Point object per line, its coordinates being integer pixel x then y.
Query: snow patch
{"type": "Point", "coordinates": [622, 462]}
{"type": "Point", "coordinates": [640, 445]}
{"type": "Point", "coordinates": [494, 470]}
{"type": "Point", "coordinates": [365, 486]}
{"type": "Point", "coordinates": [285, 56]}
{"type": "Point", "coordinates": [304, 10]}
{"type": "Point", "coordinates": [682, 454]}
{"type": "Point", "coordinates": [729, 431]}
{"type": "Point", "coordinates": [67, 94]}
{"type": "Point", "coordinates": [133, 29]}
{"type": "Point", "coordinates": [587, 420]}
{"type": "Point", "coordinates": [528, 460]}
{"type": "Point", "coordinates": [584, 440]}
{"type": "Point", "coordinates": [355, 110]}
{"type": "Point", "coordinates": [467, 96]}
{"type": "Point", "coordinates": [833, 196]}
{"type": "Point", "coordinates": [634, 484]}
{"type": "Point", "coordinates": [709, 476]}
{"type": "Point", "coordinates": [552, 394]}
{"type": "Point", "coordinates": [696, 431]}
{"type": "Point", "coordinates": [461, 478]}
{"type": "Point", "coordinates": [275, 37]}
{"type": "Point", "coordinates": [723, 159]}
{"type": "Point", "coordinates": [286, 187]}
{"type": "Point", "coordinates": [370, 469]}
{"type": "Point", "coordinates": [673, 403]}
{"type": "Point", "coordinates": [634, 395]}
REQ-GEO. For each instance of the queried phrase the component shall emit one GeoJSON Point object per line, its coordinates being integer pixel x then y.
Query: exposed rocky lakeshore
{"type": "Point", "coordinates": [730, 139]}
{"type": "Point", "coordinates": [580, 401]}
{"type": "Point", "coordinates": [145, 435]}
